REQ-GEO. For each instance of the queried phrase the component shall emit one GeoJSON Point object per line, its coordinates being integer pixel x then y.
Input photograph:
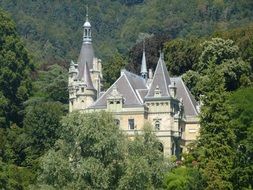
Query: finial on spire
{"type": "Point", "coordinates": [87, 13]}
{"type": "Point", "coordinates": [161, 54]}
{"type": "Point", "coordinates": [143, 44]}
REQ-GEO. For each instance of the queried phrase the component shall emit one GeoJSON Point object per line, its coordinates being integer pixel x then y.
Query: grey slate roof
{"type": "Point", "coordinates": [137, 82]}
{"type": "Point", "coordinates": [86, 77]}
{"type": "Point", "coordinates": [86, 55]}
{"type": "Point", "coordinates": [190, 104]}
{"type": "Point", "coordinates": [134, 90]}
{"type": "Point", "coordinates": [124, 87]}
{"type": "Point", "coordinates": [161, 79]}
{"type": "Point", "coordinates": [142, 93]}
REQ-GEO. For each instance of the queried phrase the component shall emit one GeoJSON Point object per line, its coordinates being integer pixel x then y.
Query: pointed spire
{"type": "Point", "coordinates": [161, 78]}
{"type": "Point", "coordinates": [87, 29]}
{"type": "Point", "coordinates": [144, 72]}
{"type": "Point", "coordinates": [87, 52]}
{"type": "Point", "coordinates": [87, 78]}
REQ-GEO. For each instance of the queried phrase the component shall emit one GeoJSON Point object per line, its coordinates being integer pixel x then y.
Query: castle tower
{"type": "Point", "coordinates": [87, 55]}
{"type": "Point", "coordinates": [85, 76]}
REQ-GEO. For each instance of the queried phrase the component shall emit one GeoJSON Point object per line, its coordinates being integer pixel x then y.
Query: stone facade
{"type": "Point", "coordinates": [163, 101]}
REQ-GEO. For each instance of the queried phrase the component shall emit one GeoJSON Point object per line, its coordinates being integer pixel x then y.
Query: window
{"type": "Point", "coordinates": [82, 89]}
{"type": "Point", "coordinates": [117, 122]}
{"type": "Point", "coordinates": [173, 149]}
{"type": "Point", "coordinates": [131, 124]}
{"type": "Point", "coordinates": [157, 125]}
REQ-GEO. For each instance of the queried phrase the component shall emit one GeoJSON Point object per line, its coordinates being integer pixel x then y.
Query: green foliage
{"type": "Point", "coordinates": [145, 164]}
{"type": "Point", "coordinates": [52, 84]}
{"type": "Point", "coordinates": [92, 153]}
{"type": "Point", "coordinates": [183, 178]}
{"type": "Point", "coordinates": [13, 177]}
{"type": "Point", "coordinates": [88, 155]}
{"type": "Point", "coordinates": [223, 55]}
{"type": "Point", "coordinates": [242, 123]}
{"type": "Point", "coordinates": [111, 69]}
{"type": "Point", "coordinates": [216, 50]}
{"type": "Point", "coordinates": [153, 44]}
{"type": "Point", "coordinates": [51, 29]}
{"type": "Point", "coordinates": [15, 69]}
{"type": "Point", "coordinates": [181, 55]}
{"type": "Point", "coordinates": [41, 129]}
{"type": "Point", "coordinates": [216, 144]}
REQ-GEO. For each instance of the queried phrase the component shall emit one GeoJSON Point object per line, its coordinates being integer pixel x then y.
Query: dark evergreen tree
{"type": "Point", "coordinates": [15, 73]}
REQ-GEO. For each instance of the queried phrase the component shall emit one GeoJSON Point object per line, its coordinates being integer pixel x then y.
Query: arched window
{"type": "Point", "coordinates": [117, 122]}
{"type": "Point", "coordinates": [160, 148]}
{"type": "Point", "coordinates": [157, 125]}
{"type": "Point", "coordinates": [86, 32]}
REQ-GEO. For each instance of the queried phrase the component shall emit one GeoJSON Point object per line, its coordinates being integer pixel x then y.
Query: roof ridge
{"type": "Point", "coordinates": [106, 91]}
{"type": "Point", "coordinates": [132, 88]}
{"type": "Point", "coordinates": [164, 77]}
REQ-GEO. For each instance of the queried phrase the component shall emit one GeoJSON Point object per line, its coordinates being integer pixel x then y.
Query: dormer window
{"type": "Point", "coordinates": [157, 92]}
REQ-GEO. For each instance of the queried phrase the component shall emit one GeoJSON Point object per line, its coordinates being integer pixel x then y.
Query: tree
{"type": "Point", "coordinates": [111, 69]}
{"type": "Point", "coordinates": [52, 84]}
{"type": "Point", "coordinates": [145, 164]}
{"type": "Point", "coordinates": [241, 115]}
{"type": "Point", "coordinates": [183, 178]}
{"type": "Point", "coordinates": [153, 45]}
{"type": "Point", "coordinates": [216, 136]}
{"type": "Point", "coordinates": [224, 56]}
{"type": "Point", "coordinates": [92, 153]}
{"type": "Point", "coordinates": [15, 69]}
{"type": "Point", "coordinates": [41, 129]}
{"type": "Point", "coordinates": [89, 154]}
{"type": "Point", "coordinates": [181, 55]}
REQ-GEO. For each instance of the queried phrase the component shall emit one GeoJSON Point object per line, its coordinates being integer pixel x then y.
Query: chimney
{"type": "Point", "coordinates": [150, 74]}
{"type": "Point", "coordinates": [173, 89]}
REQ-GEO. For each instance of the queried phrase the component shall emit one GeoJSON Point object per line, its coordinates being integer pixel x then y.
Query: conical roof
{"type": "Point", "coordinates": [86, 78]}
{"type": "Point", "coordinates": [87, 53]}
{"type": "Point", "coordinates": [161, 79]}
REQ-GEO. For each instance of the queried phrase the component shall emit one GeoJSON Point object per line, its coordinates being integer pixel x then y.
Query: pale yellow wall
{"type": "Point", "coordinates": [190, 131]}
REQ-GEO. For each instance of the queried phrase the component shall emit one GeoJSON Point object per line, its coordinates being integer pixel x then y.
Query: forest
{"type": "Point", "coordinates": [42, 146]}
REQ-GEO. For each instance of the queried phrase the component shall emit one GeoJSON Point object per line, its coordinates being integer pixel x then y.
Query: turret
{"type": "Point", "coordinates": [86, 93]}
{"type": "Point", "coordinates": [72, 72]}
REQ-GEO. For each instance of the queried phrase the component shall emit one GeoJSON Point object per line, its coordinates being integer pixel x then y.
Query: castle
{"type": "Point", "coordinates": [163, 101]}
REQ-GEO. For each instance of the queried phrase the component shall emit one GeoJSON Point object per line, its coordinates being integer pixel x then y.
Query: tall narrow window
{"type": "Point", "coordinates": [173, 149]}
{"type": "Point", "coordinates": [131, 124]}
{"type": "Point", "coordinates": [157, 125]}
